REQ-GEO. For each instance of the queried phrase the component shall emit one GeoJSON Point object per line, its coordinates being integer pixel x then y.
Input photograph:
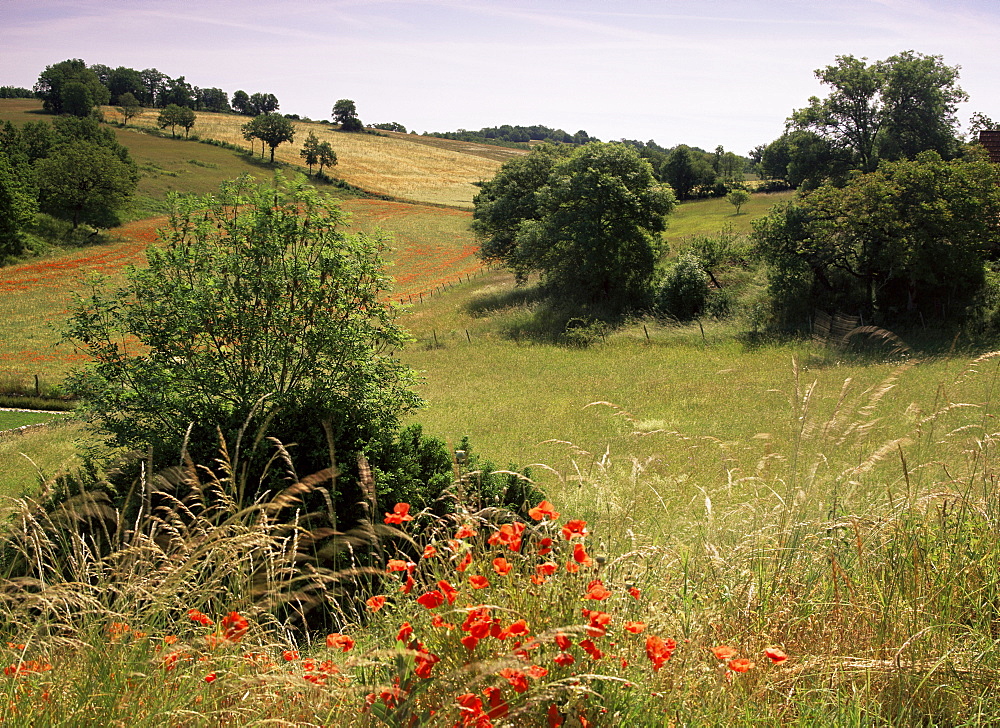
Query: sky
{"type": "Point", "coordinates": [705, 73]}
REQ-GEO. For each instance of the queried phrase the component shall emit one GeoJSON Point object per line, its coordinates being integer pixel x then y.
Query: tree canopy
{"type": "Point", "coordinates": [910, 239]}
{"type": "Point", "coordinates": [345, 113]}
{"type": "Point", "coordinates": [891, 109]}
{"type": "Point", "coordinates": [70, 83]}
{"type": "Point", "coordinates": [271, 129]}
{"type": "Point", "coordinates": [259, 314]}
{"type": "Point", "coordinates": [587, 222]}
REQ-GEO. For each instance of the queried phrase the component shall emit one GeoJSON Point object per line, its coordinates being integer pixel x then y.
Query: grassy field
{"type": "Point", "coordinates": [10, 420]}
{"type": "Point", "coordinates": [758, 533]}
{"type": "Point", "coordinates": [391, 164]}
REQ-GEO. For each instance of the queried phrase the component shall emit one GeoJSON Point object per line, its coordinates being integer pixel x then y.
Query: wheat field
{"type": "Point", "coordinates": [387, 164]}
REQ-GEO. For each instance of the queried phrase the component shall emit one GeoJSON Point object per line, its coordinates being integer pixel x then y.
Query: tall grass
{"type": "Point", "coordinates": [856, 536]}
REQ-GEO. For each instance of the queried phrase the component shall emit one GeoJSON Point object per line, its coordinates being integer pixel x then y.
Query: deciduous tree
{"type": "Point", "coordinates": [129, 108]}
{"type": "Point", "coordinates": [310, 151]}
{"type": "Point", "coordinates": [259, 314]}
{"type": "Point", "coordinates": [272, 130]}
{"type": "Point", "coordinates": [345, 113]}
{"type": "Point", "coordinates": [325, 156]}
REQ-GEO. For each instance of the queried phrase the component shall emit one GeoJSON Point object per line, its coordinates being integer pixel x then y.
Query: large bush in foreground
{"type": "Point", "coordinates": [259, 317]}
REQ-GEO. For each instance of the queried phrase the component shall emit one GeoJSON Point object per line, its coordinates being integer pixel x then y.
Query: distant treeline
{"type": "Point", "coordinates": [16, 92]}
{"type": "Point", "coordinates": [520, 135]}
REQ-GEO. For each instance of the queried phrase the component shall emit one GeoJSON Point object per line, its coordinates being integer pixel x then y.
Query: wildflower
{"type": "Point", "coordinates": [574, 529]}
{"type": "Point", "coordinates": [399, 565]}
{"type": "Point", "coordinates": [572, 567]}
{"type": "Point", "coordinates": [509, 535]}
{"type": "Point", "coordinates": [596, 590]}
{"type": "Point", "coordinates": [517, 679]}
{"type": "Point", "coordinates": [464, 563]}
{"type": "Point", "coordinates": [424, 662]}
{"type": "Point", "coordinates": [340, 642]}
{"type": "Point", "coordinates": [590, 648]}
{"type": "Point", "coordinates": [598, 622]}
{"type": "Point", "coordinates": [290, 655]}
{"type": "Point", "coordinates": [775, 655]}
{"type": "Point", "coordinates": [26, 668]}
{"type": "Point", "coordinates": [547, 569]}
{"type": "Point", "coordinates": [634, 592]}
{"type": "Point", "coordinates": [400, 514]}
{"type": "Point", "coordinates": [16, 646]}
{"type": "Point", "coordinates": [554, 716]}
{"type": "Point", "coordinates": [429, 552]}
{"type": "Point", "coordinates": [563, 642]}
{"type": "Point", "coordinates": [465, 531]}
{"type": "Point", "coordinates": [741, 664]}
{"type": "Point", "coordinates": [659, 651]}
{"type": "Point", "coordinates": [375, 603]}
{"type": "Point", "coordinates": [478, 582]}
{"type": "Point", "coordinates": [210, 677]}
{"type": "Point", "coordinates": [635, 627]}
{"type": "Point", "coordinates": [431, 599]}
{"type": "Point", "coordinates": [450, 592]}
{"type": "Point", "coordinates": [723, 652]}
{"type": "Point", "coordinates": [518, 628]}
{"type": "Point", "coordinates": [408, 585]}
{"type": "Point", "coordinates": [234, 627]}
{"type": "Point", "coordinates": [544, 546]}
{"type": "Point", "coordinates": [543, 510]}
{"type": "Point", "coordinates": [470, 642]}
{"type": "Point", "coordinates": [501, 566]}
{"type": "Point", "coordinates": [405, 631]}
{"type": "Point", "coordinates": [537, 671]}
{"type": "Point", "coordinates": [498, 706]}
{"type": "Point", "coordinates": [200, 617]}
{"type": "Point", "coordinates": [563, 659]}
{"type": "Point", "coordinates": [438, 621]}
{"type": "Point", "coordinates": [580, 556]}
{"type": "Point", "coordinates": [471, 710]}
{"type": "Point", "coordinates": [170, 639]}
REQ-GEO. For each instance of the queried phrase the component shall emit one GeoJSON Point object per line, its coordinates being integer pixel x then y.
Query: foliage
{"type": "Point", "coordinates": [908, 240]}
{"type": "Point", "coordinates": [590, 229]}
{"type": "Point", "coordinates": [70, 81]}
{"type": "Point", "coordinates": [310, 151]}
{"type": "Point", "coordinates": [891, 109]}
{"type": "Point", "coordinates": [174, 116]}
{"type": "Point", "coordinates": [271, 129]}
{"type": "Point", "coordinates": [683, 293]}
{"type": "Point", "coordinates": [129, 108]}
{"type": "Point", "coordinates": [737, 198]}
{"type": "Point", "coordinates": [345, 113]}
{"type": "Point", "coordinates": [686, 170]}
{"type": "Point", "coordinates": [259, 315]}
{"type": "Point", "coordinates": [508, 200]}
{"type": "Point", "coordinates": [390, 126]}
{"type": "Point", "coordinates": [84, 182]}
{"type": "Point", "coordinates": [517, 135]}
{"type": "Point", "coordinates": [18, 205]}
{"type": "Point", "coordinates": [16, 92]}
{"type": "Point", "coordinates": [325, 156]}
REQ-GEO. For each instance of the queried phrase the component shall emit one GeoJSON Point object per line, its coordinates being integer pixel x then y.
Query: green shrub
{"type": "Point", "coordinates": [684, 293]}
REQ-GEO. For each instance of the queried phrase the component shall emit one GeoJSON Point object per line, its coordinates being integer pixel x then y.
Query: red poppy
{"type": "Point", "coordinates": [408, 585]}
{"type": "Point", "coordinates": [563, 659]}
{"type": "Point", "coordinates": [438, 621]}
{"type": "Point", "coordinates": [741, 664]}
{"type": "Point", "coordinates": [450, 592]}
{"type": "Point", "coordinates": [464, 563]}
{"type": "Point", "coordinates": [590, 648]}
{"type": "Point", "coordinates": [339, 642]}
{"type": "Point", "coordinates": [290, 655]}
{"type": "Point", "coordinates": [478, 582]}
{"type": "Point", "coordinates": [498, 706]}
{"type": "Point", "coordinates": [580, 555]}
{"type": "Point", "coordinates": [659, 651]}
{"type": "Point", "coordinates": [572, 567]}
{"type": "Point", "coordinates": [200, 617]}
{"type": "Point", "coordinates": [431, 599]}
{"type": "Point", "coordinates": [544, 546]}
{"type": "Point", "coordinates": [537, 671]}
{"type": "Point", "coordinates": [598, 622]}
{"type": "Point", "coordinates": [210, 677]}
{"type": "Point", "coordinates": [596, 590]}
{"type": "Point", "coordinates": [543, 510]}
{"type": "Point", "coordinates": [554, 716]}
{"type": "Point", "coordinates": [234, 627]}
{"type": "Point", "coordinates": [509, 535]}
{"type": "Point", "coordinates": [470, 642]}
{"type": "Point", "coordinates": [424, 662]}
{"type": "Point", "coordinates": [518, 628]}
{"type": "Point", "coordinates": [375, 603]}
{"type": "Point", "coordinates": [634, 592]}
{"type": "Point", "coordinates": [574, 529]}
{"type": "Point", "coordinates": [723, 652]}
{"type": "Point", "coordinates": [517, 679]}
{"type": "Point", "coordinates": [775, 655]}
{"type": "Point", "coordinates": [635, 627]}
{"type": "Point", "coordinates": [400, 513]}
{"type": "Point", "coordinates": [501, 566]}
{"type": "Point", "coordinates": [465, 531]}
{"type": "Point", "coordinates": [429, 552]}
{"type": "Point", "coordinates": [405, 632]}
{"type": "Point", "coordinates": [547, 569]}
{"type": "Point", "coordinates": [563, 642]}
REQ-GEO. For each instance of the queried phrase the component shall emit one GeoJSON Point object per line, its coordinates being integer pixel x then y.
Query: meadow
{"type": "Point", "coordinates": [736, 532]}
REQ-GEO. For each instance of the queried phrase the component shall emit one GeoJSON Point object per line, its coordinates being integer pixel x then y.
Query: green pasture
{"type": "Point", "coordinates": [11, 419]}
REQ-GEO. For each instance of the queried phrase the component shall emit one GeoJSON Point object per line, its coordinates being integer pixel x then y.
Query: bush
{"type": "Point", "coordinates": [683, 294]}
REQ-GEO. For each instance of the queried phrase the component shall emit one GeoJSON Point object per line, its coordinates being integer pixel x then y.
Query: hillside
{"type": "Point", "coordinates": [404, 166]}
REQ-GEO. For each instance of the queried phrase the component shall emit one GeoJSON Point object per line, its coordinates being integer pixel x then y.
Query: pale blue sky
{"type": "Point", "coordinates": [701, 73]}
